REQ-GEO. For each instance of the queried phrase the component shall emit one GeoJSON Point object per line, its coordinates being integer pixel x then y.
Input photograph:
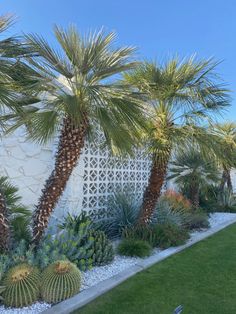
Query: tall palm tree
{"type": "Point", "coordinates": [81, 95]}
{"type": "Point", "coordinates": [182, 94]}
{"type": "Point", "coordinates": [192, 171]}
{"type": "Point", "coordinates": [227, 132]}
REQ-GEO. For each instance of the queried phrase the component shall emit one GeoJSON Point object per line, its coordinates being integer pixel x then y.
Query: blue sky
{"type": "Point", "coordinates": [159, 28]}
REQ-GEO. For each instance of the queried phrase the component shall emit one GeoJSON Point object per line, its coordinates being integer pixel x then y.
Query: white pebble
{"type": "Point", "coordinates": [35, 308]}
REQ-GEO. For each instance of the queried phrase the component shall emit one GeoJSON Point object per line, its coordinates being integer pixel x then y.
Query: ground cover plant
{"type": "Point", "coordinates": [169, 235]}
{"type": "Point", "coordinates": [133, 247]}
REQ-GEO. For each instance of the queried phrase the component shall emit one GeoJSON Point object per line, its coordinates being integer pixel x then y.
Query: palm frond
{"type": "Point", "coordinates": [78, 82]}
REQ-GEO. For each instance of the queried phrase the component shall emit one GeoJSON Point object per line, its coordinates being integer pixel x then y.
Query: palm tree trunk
{"type": "Point", "coordinates": [226, 180]}
{"type": "Point", "coordinates": [4, 224]}
{"type": "Point", "coordinates": [153, 189]}
{"type": "Point", "coordinates": [229, 181]}
{"type": "Point", "coordinates": [71, 143]}
{"type": "Point", "coordinates": [194, 195]}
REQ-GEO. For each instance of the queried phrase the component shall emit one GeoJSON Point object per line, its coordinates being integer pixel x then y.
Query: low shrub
{"type": "Point", "coordinates": [165, 214]}
{"type": "Point", "coordinates": [140, 232]}
{"type": "Point", "coordinates": [122, 212]}
{"type": "Point", "coordinates": [60, 280]}
{"type": "Point", "coordinates": [177, 200]}
{"type": "Point", "coordinates": [133, 247]}
{"type": "Point", "coordinates": [197, 220]}
{"type": "Point", "coordinates": [168, 235]}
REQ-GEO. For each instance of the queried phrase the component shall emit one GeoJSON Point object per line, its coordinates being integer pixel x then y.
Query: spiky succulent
{"type": "Point", "coordinates": [103, 249]}
{"type": "Point", "coordinates": [76, 247]}
{"type": "Point", "coordinates": [21, 286]}
{"type": "Point", "coordinates": [60, 280]}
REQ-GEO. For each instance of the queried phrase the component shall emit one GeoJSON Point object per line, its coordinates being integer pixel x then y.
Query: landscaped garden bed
{"type": "Point", "coordinates": [98, 274]}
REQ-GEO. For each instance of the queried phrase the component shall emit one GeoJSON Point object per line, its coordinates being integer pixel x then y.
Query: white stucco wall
{"type": "Point", "coordinates": [26, 164]}
{"type": "Point", "coordinates": [233, 176]}
{"type": "Point", "coordinates": [96, 176]}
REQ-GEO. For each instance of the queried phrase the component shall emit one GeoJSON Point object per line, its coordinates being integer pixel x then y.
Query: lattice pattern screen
{"type": "Point", "coordinates": [104, 174]}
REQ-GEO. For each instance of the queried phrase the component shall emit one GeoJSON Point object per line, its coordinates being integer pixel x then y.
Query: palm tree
{"type": "Point", "coordinates": [227, 132]}
{"type": "Point", "coordinates": [13, 81]}
{"type": "Point", "coordinates": [9, 52]}
{"type": "Point", "coordinates": [81, 96]}
{"type": "Point", "coordinates": [182, 96]}
{"type": "Point", "coordinates": [18, 215]}
{"type": "Point", "coordinates": [192, 172]}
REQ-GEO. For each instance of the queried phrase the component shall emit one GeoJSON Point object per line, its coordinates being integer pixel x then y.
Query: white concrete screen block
{"type": "Point", "coordinates": [96, 176]}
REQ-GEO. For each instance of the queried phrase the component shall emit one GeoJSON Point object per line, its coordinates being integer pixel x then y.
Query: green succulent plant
{"type": "Point", "coordinates": [76, 247]}
{"type": "Point", "coordinates": [60, 280]}
{"type": "Point", "coordinates": [103, 249]}
{"type": "Point", "coordinates": [4, 261]}
{"type": "Point", "coordinates": [21, 286]}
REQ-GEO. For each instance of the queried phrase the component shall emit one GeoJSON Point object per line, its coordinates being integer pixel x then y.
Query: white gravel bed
{"type": "Point", "coordinates": [216, 219]}
{"type": "Point", "coordinates": [100, 273]}
{"type": "Point", "coordinates": [120, 263]}
{"type": "Point", "coordinates": [35, 308]}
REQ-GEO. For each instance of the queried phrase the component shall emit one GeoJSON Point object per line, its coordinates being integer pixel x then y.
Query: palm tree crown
{"type": "Point", "coordinates": [227, 158]}
{"type": "Point", "coordinates": [184, 95]}
{"type": "Point", "coordinates": [79, 84]}
{"type": "Point", "coordinates": [192, 171]}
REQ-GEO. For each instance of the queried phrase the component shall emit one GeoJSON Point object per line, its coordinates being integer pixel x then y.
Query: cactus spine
{"type": "Point", "coordinates": [103, 249]}
{"type": "Point", "coordinates": [60, 280]}
{"type": "Point", "coordinates": [21, 286]}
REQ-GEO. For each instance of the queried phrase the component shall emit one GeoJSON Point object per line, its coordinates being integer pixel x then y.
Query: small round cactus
{"type": "Point", "coordinates": [21, 286]}
{"type": "Point", "coordinates": [60, 280]}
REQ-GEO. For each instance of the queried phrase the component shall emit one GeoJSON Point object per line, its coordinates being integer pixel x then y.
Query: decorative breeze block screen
{"type": "Point", "coordinates": [105, 174]}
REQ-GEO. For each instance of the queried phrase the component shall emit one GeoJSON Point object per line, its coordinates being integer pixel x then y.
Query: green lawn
{"type": "Point", "coordinates": [202, 279]}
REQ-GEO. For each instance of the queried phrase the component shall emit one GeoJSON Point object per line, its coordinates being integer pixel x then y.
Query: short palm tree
{"type": "Point", "coordinates": [14, 80]}
{"type": "Point", "coordinates": [182, 95]}
{"type": "Point", "coordinates": [18, 215]}
{"type": "Point", "coordinates": [81, 96]}
{"type": "Point", "coordinates": [192, 171]}
{"type": "Point", "coordinates": [227, 133]}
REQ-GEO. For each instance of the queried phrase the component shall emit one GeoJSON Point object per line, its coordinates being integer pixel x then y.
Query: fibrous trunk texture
{"type": "Point", "coordinates": [153, 189]}
{"type": "Point", "coordinates": [71, 143]}
{"type": "Point", "coordinates": [194, 195]}
{"type": "Point", "coordinates": [226, 180]}
{"type": "Point", "coordinates": [4, 224]}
